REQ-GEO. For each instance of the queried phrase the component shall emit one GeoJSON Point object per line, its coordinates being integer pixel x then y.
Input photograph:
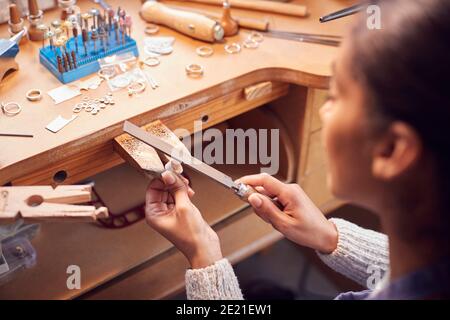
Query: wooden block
{"type": "Point", "coordinates": [257, 91]}
{"type": "Point", "coordinates": [142, 156]}
{"type": "Point", "coordinates": [46, 203]}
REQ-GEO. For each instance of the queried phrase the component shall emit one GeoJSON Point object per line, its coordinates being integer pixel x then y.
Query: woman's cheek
{"type": "Point", "coordinates": [334, 140]}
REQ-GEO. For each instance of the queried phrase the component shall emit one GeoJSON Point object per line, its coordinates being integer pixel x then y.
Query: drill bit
{"type": "Point", "coordinates": [60, 66]}
{"type": "Point", "coordinates": [110, 18]}
{"type": "Point", "coordinates": [69, 61]}
{"type": "Point", "coordinates": [74, 59]}
{"type": "Point", "coordinates": [94, 37]}
{"type": "Point", "coordinates": [75, 37]}
{"type": "Point", "coordinates": [116, 30]}
{"type": "Point", "coordinates": [85, 17]}
{"type": "Point", "coordinates": [85, 37]}
{"type": "Point", "coordinates": [122, 29]}
{"type": "Point", "coordinates": [49, 35]}
{"type": "Point", "coordinates": [95, 14]}
{"type": "Point", "coordinates": [102, 36]}
{"type": "Point", "coordinates": [128, 24]}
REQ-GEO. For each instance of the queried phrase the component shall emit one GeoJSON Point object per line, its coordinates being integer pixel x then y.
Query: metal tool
{"type": "Point", "coordinates": [85, 38]}
{"type": "Point", "coordinates": [9, 48]}
{"type": "Point", "coordinates": [75, 36]}
{"type": "Point", "coordinates": [240, 189]}
{"type": "Point", "coordinates": [341, 13]}
{"type": "Point", "coordinates": [329, 40]}
{"type": "Point", "coordinates": [11, 134]}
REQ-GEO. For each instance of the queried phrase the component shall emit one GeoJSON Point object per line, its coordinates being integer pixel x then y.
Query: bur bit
{"type": "Point", "coordinates": [85, 37]}
{"type": "Point", "coordinates": [94, 37]}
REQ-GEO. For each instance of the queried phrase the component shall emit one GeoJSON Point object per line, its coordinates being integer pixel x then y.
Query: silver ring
{"type": "Point", "coordinates": [120, 82]}
{"type": "Point", "coordinates": [256, 36]}
{"type": "Point", "coordinates": [136, 88]}
{"type": "Point", "coordinates": [205, 51]}
{"type": "Point", "coordinates": [151, 29]}
{"type": "Point", "coordinates": [11, 108]}
{"type": "Point", "coordinates": [233, 48]}
{"type": "Point", "coordinates": [106, 73]}
{"type": "Point", "coordinates": [34, 95]}
{"type": "Point", "coordinates": [194, 70]}
{"type": "Point", "coordinates": [250, 44]}
{"type": "Point", "coordinates": [151, 61]}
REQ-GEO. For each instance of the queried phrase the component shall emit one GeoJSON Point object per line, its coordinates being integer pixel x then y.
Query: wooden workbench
{"type": "Point", "coordinates": [299, 73]}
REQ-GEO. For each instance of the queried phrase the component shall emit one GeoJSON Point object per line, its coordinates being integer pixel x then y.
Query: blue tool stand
{"type": "Point", "coordinates": [86, 64]}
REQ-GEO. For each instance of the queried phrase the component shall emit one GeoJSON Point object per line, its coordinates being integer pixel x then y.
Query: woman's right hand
{"type": "Point", "coordinates": [300, 221]}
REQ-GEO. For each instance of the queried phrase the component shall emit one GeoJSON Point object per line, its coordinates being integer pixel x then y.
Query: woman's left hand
{"type": "Point", "coordinates": [170, 212]}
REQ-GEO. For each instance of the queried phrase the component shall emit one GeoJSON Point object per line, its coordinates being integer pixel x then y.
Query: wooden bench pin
{"type": "Point", "coordinates": [40, 203]}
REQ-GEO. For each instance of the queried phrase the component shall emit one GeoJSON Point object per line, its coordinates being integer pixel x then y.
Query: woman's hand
{"type": "Point", "coordinates": [300, 221]}
{"type": "Point", "coordinates": [170, 212]}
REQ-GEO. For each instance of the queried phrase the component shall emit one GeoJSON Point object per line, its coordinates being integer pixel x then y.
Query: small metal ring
{"type": "Point", "coordinates": [89, 108]}
{"type": "Point", "coordinates": [151, 29]}
{"type": "Point", "coordinates": [136, 87]}
{"type": "Point", "coordinates": [11, 108]}
{"type": "Point", "coordinates": [120, 82]}
{"type": "Point", "coordinates": [106, 73]}
{"type": "Point", "coordinates": [34, 95]}
{"type": "Point", "coordinates": [256, 36]}
{"type": "Point", "coordinates": [205, 51]}
{"type": "Point", "coordinates": [77, 109]}
{"type": "Point", "coordinates": [194, 70]}
{"type": "Point", "coordinates": [233, 48]}
{"type": "Point", "coordinates": [250, 44]}
{"type": "Point", "coordinates": [151, 61]}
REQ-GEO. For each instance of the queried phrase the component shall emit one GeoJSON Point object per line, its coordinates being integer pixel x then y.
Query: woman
{"type": "Point", "coordinates": [388, 150]}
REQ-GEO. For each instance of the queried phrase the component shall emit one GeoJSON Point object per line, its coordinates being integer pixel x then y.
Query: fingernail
{"type": "Point", "coordinates": [255, 201]}
{"type": "Point", "coordinates": [169, 178]}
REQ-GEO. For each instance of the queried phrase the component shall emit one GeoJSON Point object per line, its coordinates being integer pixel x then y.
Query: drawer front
{"type": "Point", "coordinates": [101, 158]}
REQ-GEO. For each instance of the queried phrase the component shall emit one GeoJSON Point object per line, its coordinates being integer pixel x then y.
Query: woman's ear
{"type": "Point", "coordinates": [397, 151]}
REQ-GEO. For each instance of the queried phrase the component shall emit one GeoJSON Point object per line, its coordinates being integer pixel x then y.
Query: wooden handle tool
{"type": "Point", "coordinates": [243, 22]}
{"type": "Point", "coordinates": [266, 6]}
{"type": "Point", "coordinates": [189, 23]}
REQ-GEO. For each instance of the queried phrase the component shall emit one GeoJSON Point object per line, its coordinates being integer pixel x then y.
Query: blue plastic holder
{"type": "Point", "coordinates": [86, 63]}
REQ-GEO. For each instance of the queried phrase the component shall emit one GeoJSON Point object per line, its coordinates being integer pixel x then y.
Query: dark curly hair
{"type": "Point", "coordinates": [405, 69]}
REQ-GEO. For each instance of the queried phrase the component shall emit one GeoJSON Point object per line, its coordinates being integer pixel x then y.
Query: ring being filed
{"type": "Point", "coordinates": [34, 95]}
{"type": "Point", "coordinates": [233, 48]}
{"type": "Point", "coordinates": [11, 108]}
{"type": "Point", "coordinates": [151, 61]}
{"type": "Point", "coordinates": [151, 29]}
{"type": "Point", "coordinates": [205, 51]}
{"type": "Point", "coordinates": [256, 36]}
{"type": "Point", "coordinates": [194, 70]}
{"type": "Point", "coordinates": [250, 44]}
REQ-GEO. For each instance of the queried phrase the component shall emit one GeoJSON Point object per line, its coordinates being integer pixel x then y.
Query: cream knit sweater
{"type": "Point", "coordinates": [358, 252]}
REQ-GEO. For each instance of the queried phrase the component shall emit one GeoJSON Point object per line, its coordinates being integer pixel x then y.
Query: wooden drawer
{"type": "Point", "coordinates": [181, 115]}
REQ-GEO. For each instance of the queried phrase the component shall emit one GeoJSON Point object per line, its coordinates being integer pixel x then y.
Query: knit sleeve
{"type": "Point", "coordinates": [215, 282]}
{"type": "Point", "coordinates": [360, 252]}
